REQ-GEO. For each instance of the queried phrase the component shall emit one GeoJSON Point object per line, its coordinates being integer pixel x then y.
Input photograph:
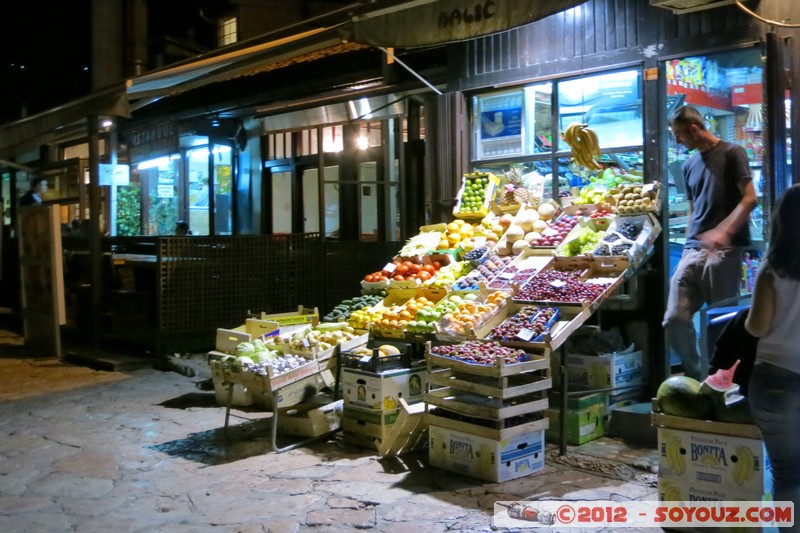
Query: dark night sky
{"type": "Point", "coordinates": [45, 49]}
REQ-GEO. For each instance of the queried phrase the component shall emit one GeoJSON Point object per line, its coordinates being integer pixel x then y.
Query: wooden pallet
{"type": "Point", "coordinates": [407, 433]}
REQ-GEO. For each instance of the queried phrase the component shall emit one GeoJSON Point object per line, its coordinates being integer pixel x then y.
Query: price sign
{"type": "Point", "coordinates": [306, 344]}
{"type": "Point", "coordinates": [557, 284]}
{"type": "Point", "coordinates": [648, 187]}
{"type": "Point", "coordinates": [365, 359]}
{"type": "Point", "coordinates": [507, 275]}
{"type": "Point", "coordinates": [390, 267]}
{"type": "Point", "coordinates": [474, 274]}
{"type": "Point", "coordinates": [525, 334]}
{"type": "Point", "coordinates": [549, 232]}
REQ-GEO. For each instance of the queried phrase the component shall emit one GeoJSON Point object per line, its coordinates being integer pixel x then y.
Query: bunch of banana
{"type": "Point", "coordinates": [675, 460]}
{"type": "Point", "coordinates": [745, 466]}
{"type": "Point", "coordinates": [584, 144]}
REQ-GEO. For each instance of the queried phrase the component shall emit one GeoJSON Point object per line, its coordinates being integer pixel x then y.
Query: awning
{"type": "Point", "coordinates": [246, 61]}
{"type": "Point", "coordinates": [430, 22]}
{"type": "Point", "coordinates": [47, 126]}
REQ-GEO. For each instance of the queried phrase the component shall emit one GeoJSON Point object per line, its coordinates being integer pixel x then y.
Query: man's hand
{"type": "Point", "coordinates": [715, 239]}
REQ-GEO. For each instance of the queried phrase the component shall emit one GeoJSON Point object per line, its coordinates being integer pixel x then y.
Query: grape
{"type": "Point", "coordinates": [629, 230]}
{"type": "Point", "coordinates": [560, 286]}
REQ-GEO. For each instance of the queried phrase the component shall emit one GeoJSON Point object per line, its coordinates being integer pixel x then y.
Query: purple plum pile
{"type": "Point", "coordinates": [560, 286]}
{"type": "Point", "coordinates": [529, 317]}
{"type": "Point", "coordinates": [480, 353]}
{"type": "Point", "coordinates": [510, 275]}
{"type": "Point", "coordinates": [485, 272]}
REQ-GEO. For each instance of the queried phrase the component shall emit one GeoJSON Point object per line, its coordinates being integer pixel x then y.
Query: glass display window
{"type": "Point", "coordinates": [522, 145]}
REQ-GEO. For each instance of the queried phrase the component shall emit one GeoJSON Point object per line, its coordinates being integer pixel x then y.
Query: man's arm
{"type": "Point", "coordinates": [721, 236]}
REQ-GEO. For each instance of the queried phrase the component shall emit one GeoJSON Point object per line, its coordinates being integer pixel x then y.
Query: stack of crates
{"type": "Point", "coordinates": [372, 386]}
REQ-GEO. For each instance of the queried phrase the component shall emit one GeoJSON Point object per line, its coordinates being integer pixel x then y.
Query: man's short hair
{"type": "Point", "coordinates": [687, 116]}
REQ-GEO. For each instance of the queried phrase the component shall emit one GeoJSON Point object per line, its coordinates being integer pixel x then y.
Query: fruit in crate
{"type": "Point", "coordinates": [421, 243]}
{"type": "Point", "coordinates": [555, 232]}
{"type": "Point", "coordinates": [565, 286]}
{"type": "Point", "coordinates": [580, 243]}
{"type": "Point", "coordinates": [481, 353]}
{"type": "Point", "coordinates": [408, 270]}
{"type": "Point", "coordinates": [398, 316]}
{"type": "Point", "coordinates": [514, 191]}
{"type": "Point", "coordinates": [468, 314]}
{"type": "Point", "coordinates": [363, 318]}
{"type": "Point", "coordinates": [448, 274]}
{"type": "Point", "coordinates": [632, 199]}
{"type": "Point", "coordinates": [474, 192]}
{"type": "Point", "coordinates": [524, 319]}
{"type": "Point", "coordinates": [345, 308]}
{"type": "Point", "coordinates": [483, 273]}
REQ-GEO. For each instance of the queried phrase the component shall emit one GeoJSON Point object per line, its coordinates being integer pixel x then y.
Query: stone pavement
{"type": "Point", "coordinates": [144, 451]}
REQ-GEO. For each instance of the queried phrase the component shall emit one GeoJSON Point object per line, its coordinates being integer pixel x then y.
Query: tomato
{"type": "Point", "coordinates": [424, 275]}
{"type": "Point", "coordinates": [437, 265]}
{"type": "Point", "coordinates": [401, 270]}
{"type": "Point", "coordinates": [429, 269]}
{"type": "Point", "coordinates": [413, 268]}
{"type": "Point", "coordinates": [369, 278]}
{"type": "Point", "coordinates": [398, 277]}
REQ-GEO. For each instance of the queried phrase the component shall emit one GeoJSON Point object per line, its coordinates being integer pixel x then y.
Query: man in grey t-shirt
{"type": "Point", "coordinates": [721, 195]}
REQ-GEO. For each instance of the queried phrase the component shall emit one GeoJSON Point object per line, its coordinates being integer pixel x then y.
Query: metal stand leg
{"type": "Point", "coordinates": [228, 408]}
{"type": "Point", "coordinates": [274, 430]}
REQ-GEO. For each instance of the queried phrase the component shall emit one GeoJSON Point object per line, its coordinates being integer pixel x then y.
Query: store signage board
{"type": "Point", "coordinates": [429, 22]}
{"type": "Point", "coordinates": [114, 174]}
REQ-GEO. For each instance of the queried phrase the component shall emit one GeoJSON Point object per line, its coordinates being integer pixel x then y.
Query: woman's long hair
{"type": "Point", "coordinates": [783, 253]}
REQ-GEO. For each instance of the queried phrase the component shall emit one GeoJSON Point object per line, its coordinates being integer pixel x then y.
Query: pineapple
{"type": "Point", "coordinates": [514, 190]}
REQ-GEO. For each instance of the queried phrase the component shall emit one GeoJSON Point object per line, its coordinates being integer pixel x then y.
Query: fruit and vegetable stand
{"type": "Point", "coordinates": [479, 306]}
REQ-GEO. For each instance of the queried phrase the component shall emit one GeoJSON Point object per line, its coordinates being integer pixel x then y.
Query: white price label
{"type": "Point", "coordinates": [306, 344]}
{"type": "Point", "coordinates": [365, 359]}
{"type": "Point", "coordinates": [390, 267]}
{"type": "Point", "coordinates": [558, 283]}
{"type": "Point", "coordinates": [507, 275]}
{"type": "Point", "coordinates": [648, 187]}
{"type": "Point", "coordinates": [549, 232]}
{"type": "Point", "coordinates": [525, 334]}
{"type": "Point", "coordinates": [475, 274]}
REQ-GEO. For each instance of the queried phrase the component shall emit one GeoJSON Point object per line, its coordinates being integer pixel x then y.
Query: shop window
{"type": "Point", "coordinates": [160, 179]}
{"type": "Point", "coordinates": [514, 136]}
{"type": "Point", "coordinates": [333, 138]}
{"type": "Point", "coordinates": [279, 145]}
{"type": "Point", "coordinates": [227, 31]}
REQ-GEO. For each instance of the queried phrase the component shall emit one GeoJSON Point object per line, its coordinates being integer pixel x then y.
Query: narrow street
{"type": "Point", "coordinates": [144, 450]}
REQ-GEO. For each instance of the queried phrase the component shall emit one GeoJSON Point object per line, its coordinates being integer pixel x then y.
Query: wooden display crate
{"type": "Point", "coordinates": [503, 387]}
{"type": "Point", "coordinates": [490, 429]}
{"type": "Point", "coordinates": [304, 315]}
{"type": "Point", "coordinates": [569, 320]}
{"type": "Point", "coordinates": [310, 419]}
{"type": "Point", "coordinates": [272, 391]}
{"type": "Point", "coordinates": [499, 369]}
{"type": "Point", "coordinates": [617, 268]}
{"type": "Point", "coordinates": [485, 406]}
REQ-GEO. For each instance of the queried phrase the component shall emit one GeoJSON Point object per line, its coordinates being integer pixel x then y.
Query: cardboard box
{"type": "Point", "coordinates": [611, 370]}
{"type": "Point", "coordinates": [677, 488]}
{"type": "Point", "coordinates": [723, 464]}
{"type": "Point", "coordinates": [583, 425]}
{"type": "Point", "coordinates": [381, 392]}
{"type": "Point", "coordinates": [483, 458]}
{"type": "Point", "coordinates": [367, 424]}
{"type": "Point", "coordinates": [310, 419]}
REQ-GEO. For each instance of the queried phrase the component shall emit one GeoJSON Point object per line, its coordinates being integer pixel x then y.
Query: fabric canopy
{"type": "Point", "coordinates": [430, 22]}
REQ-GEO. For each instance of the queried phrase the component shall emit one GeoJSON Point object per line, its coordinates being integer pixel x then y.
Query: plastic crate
{"type": "Point", "coordinates": [375, 362]}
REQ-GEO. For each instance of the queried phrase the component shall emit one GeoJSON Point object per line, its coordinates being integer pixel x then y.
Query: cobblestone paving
{"type": "Point", "coordinates": [145, 451]}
